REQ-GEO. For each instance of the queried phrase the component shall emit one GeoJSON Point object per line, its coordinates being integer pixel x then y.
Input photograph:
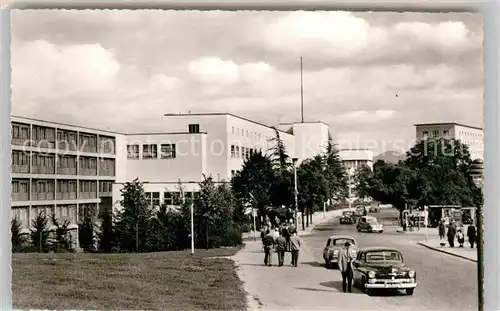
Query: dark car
{"type": "Point", "coordinates": [347, 218]}
{"type": "Point", "coordinates": [384, 269]}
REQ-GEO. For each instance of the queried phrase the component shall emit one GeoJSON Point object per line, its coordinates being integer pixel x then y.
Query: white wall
{"type": "Point", "coordinates": [310, 139]}
{"type": "Point", "coordinates": [473, 138]}
{"type": "Point", "coordinates": [354, 158]}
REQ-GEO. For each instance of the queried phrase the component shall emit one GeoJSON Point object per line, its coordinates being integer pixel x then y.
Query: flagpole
{"type": "Point", "coordinates": [301, 93]}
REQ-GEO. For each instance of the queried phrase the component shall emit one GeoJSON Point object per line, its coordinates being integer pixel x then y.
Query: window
{"type": "Point", "coordinates": [425, 133]}
{"type": "Point", "coordinates": [149, 151]}
{"type": "Point", "coordinates": [194, 128]}
{"type": "Point", "coordinates": [153, 198]}
{"type": "Point", "coordinates": [233, 172]}
{"type": "Point", "coordinates": [237, 151]}
{"type": "Point", "coordinates": [232, 130]}
{"type": "Point", "coordinates": [233, 151]}
{"type": "Point", "coordinates": [168, 151]}
{"type": "Point", "coordinates": [168, 198]}
{"type": "Point", "coordinates": [435, 133]}
{"type": "Point", "coordinates": [446, 133]}
{"type": "Point", "coordinates": [133, 152]}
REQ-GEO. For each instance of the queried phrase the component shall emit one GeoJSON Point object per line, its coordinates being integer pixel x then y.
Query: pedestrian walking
{"type": "Point", "coordinates": [268, 247]}
{"type": "Point", "coordinates": [460, 237]}
{"type": "Point", "coordinates": [280, 249]}
{"type": "Point", "coordinates": [345, 266]}
{"type": "Point", "coordinates": [296, 244]}
{"type": "Point", "coordinates": [471, 235]}
{"type": "Point", "coordinates": [451, 234]}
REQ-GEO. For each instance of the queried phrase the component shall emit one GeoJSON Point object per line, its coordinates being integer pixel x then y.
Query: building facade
{"type": "Point", "coordinates": [70, 170]}
{"type": "Point", "coordinates": [354, 158]}
{"type": "Point", "coordinates": [468, 135]}
{"type": "Point", "coordinates": [60, 169]}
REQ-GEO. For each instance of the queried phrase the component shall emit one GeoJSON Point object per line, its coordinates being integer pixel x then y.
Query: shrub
{"type": "Point", "coordinates": [17, 238]}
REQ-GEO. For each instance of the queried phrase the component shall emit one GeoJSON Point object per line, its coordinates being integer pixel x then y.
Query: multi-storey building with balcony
{"type": "Point", "coordinates": [70, 170]}
{"type": "Point", "coordinates": [60, 169]}
{"type": "Point", "coordinates": [469, 135]}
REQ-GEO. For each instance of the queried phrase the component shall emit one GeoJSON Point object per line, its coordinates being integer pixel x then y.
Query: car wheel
{"type": "Point", "coordinates": [381, 231]}
{"type": "Point", "coordinates": [409, 291]}
{"type": "Point", "coordinates": [359, 230]}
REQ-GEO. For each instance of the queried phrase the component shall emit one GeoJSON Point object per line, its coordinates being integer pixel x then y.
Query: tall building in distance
{"type": "Point", "coordinates": [354, 158]}
{"type": "Point", "coordinates": [70, 170]}
{"type": "Point", "coordinates": [469, 135]}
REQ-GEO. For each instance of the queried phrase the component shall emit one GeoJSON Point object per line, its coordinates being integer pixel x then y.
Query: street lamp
{"type": "Point", "coordinates": [476, 173]}
{"type": "Point", "coordinates": [294, 161]}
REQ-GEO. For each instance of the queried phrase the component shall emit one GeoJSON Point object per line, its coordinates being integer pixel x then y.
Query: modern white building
{"type": "Point", "coordinates": [469, 135]}
{"type": "Point", "coordinates": [70, 170]}
{"type": "Point", "coordinates": [354, 158]}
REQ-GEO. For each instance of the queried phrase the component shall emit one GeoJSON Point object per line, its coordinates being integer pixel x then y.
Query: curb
{"type": "Point", "coordinates": [446, 252]}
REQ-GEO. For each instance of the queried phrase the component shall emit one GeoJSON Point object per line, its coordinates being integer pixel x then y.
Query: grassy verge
{"type": "Point", "coordinates": [154, 281]}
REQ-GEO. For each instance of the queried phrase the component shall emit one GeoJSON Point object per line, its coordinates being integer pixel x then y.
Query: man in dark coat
{"type": "Point", "coordinates": [268, 246]}
{"type": "Point", "coordinates": [280, 249]}
{"type": "Point", "coordinates": [451, 234]}
{"type": "Point", "coordinates": [471, 234]}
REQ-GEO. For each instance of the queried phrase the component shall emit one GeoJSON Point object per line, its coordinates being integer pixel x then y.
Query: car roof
{"type": "Point", "coordinates": [378, 248]}
{"type": "Point", "coordinates": [334, 237]}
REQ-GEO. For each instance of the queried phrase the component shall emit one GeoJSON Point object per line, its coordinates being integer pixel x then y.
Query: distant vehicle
{"type": "Point", "coordinates": [360, 211]}
{"type": "Point", "coordinates": [369, 224]}
{"type": "Point", "coordinates": [347, 218]}
{"type": "Point", "coordinates": [333, 246]}
{"type": "Point", "coordinates": [374, 209]}
{"type": "Point", "coordinates": [383, 268]}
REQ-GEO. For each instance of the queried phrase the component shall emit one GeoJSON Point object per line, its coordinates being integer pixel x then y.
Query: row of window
{"type": "Point", "coordinates": [474, 134]}
{"type": "Point", "coordinates": [436, 133]}
{"type": "Point", "coordinates": [42, 189]}
{"type": "Point", "coordinates": [150, 151]}
{"type": "Point", "coordinates": [66, 140]}
{"type": "Point", "coordinates": [62, 213]}
{"type": "Point", "coordinates": [66, 164]}
{"type": "Point", "coordinates": [250, 134]}
{"type": "Point", "coordinates": [244, 153]}
{"type": "Point", "coordinates": [170, 198]}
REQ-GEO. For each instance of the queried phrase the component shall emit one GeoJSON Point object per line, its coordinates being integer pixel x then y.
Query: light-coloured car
{"type": "Point", "coordinates": [333, 246]}
{"type": "Point", "coordinates": [369, 224]}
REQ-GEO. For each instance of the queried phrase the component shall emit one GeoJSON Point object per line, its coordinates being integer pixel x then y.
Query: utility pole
{"type": "Point", "coordinates": [301, 93]}
{"type": "Point", "coordinates": [296, 194]}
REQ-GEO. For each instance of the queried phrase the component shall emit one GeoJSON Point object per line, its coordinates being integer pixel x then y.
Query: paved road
{"type": "Point", "coordinates": [445, 282]}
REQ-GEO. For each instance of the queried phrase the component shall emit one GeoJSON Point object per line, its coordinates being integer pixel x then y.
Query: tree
{"type": "Point", "coordinates": [312, 186]}
{"type": "Point", "coordinates": [62, 238]}
{"type": "Point", "coordinates": [443, 179]}
{"type": "Point", "coordinates": [86, 230]}
{"type": "Point", "coordinates": [17, 238]}
{"type": "Point", "coordinates": [361, 181]}
{"type": "Point", "coordinates": [335, 172]}
{"type": "Point", "coordinates": [133, 221]}
{"type": "Point", "coordinates": [106, 233]}
{"type": "Point", "coordinates": [279, 155]}
{"type": "Point", "coordinates": [40, 233]}
{"type": "Point", "coordinates": [253, 183]}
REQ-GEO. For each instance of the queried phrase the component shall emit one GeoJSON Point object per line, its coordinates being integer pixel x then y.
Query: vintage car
{"type": "Point", "coordinates": [347, 218]}
{"type": "Point", "coordinates": [382, 268]}
{"type": "Point", "coordinates": [334, 245]}
{"type": "Point", "coordinates": [369, 224]}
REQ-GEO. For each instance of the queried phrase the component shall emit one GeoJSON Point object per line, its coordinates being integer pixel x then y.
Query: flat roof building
{"type": "Point", "coordinates": [469, 135]}
{"type": "Point", "coordinates": [71, 170]}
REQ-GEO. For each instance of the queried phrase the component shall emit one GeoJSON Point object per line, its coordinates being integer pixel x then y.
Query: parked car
{"type": "Point", "coordinates": [369, 224]}
{"type": "Point", "coordinates": [383, 268]}
{"type": "Point", "coordinates": [347, 218]}
{"type": "Point", "coordinates": [333, 246]}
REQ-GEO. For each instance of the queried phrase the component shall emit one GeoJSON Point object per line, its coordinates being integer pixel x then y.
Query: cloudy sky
{"type": "Point", "coordinates": [370, 76]}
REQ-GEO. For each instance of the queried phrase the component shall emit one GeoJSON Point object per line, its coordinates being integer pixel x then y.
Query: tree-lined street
{"type": "Point", "coordinates": [445, 282]}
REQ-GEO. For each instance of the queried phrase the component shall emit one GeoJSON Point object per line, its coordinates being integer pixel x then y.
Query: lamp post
{"type": "Point", "coordinates": [476, 173]}
{"type": "Point", "coordinates": [294, 161]}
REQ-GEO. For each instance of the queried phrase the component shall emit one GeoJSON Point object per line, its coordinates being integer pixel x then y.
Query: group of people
{"type": "Point", "coordinates": [280, 240]}
{"type": "Point", "coordinates": [456, 232]}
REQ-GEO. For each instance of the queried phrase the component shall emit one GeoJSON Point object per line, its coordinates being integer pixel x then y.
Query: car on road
{"type": "Point", "coordinates": [369, 224]}
{"type": "Point", "coordinates": [347, 218]}
{"type": "Point", "coordinates": [333, 246]}
{"type": "Point", "coordinates": [383, 268]}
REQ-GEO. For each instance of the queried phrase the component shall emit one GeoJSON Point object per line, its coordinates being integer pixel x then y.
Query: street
{"type": "Point", "coordinates": [445, 282]}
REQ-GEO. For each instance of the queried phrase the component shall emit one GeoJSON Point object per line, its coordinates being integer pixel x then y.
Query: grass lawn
{"type": "Point", "coordinates": [154, 281]}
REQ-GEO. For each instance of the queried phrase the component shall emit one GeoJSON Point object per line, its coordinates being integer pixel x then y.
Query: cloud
{"type": "Point", "coordinates": [43, 69]}
{"type": "Point", "coordinates": [248, 63]}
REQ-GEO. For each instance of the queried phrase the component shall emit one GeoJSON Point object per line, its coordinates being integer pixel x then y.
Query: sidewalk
{"type": "Point", "coordinates": [317, 219]}
{"type": "Point", "coordinates": [465, 253]}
